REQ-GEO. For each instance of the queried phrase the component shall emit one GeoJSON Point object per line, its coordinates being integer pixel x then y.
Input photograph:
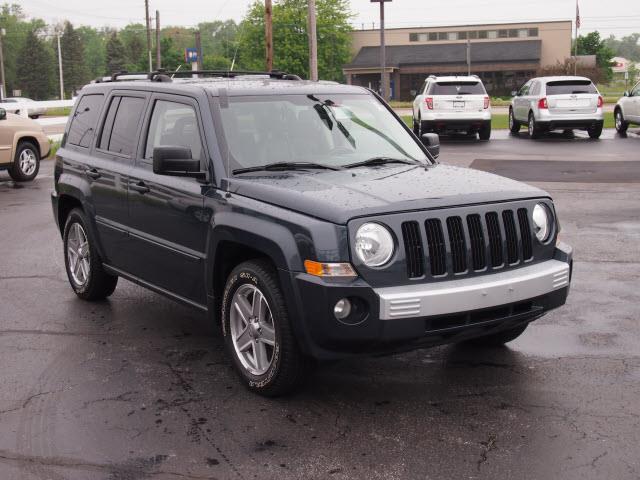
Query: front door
{"type": "Point", "coordinates": [168, 227]}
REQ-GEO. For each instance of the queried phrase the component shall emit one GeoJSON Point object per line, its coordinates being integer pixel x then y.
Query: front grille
{"type": "Point", "coordinates": [463, 244]}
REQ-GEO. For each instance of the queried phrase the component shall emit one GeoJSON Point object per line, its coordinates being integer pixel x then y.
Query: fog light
{"type": "Point", "coordinates": [342, 309]}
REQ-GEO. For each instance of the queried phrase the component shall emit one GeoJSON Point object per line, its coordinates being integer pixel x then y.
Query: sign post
{"type": "Point", "coordinates": [191, 56]}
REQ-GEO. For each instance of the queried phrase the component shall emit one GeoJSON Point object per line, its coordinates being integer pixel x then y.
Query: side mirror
{"type": "Point", "coordinates": [432, 142]}
{"type": "Point", "coordinates": [176, 161]}
{"type": "Point", "coordinates": [514, 93]}
{"type": "Point", "coordinates": [626, 93]}
{"type": "Point", "coordinates": [3, 114]}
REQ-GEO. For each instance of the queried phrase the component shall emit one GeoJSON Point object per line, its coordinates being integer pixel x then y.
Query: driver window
{"type": "Point", "coordinates": [173, 125]}
{"type": "Point", "coordinates": [525, 89]}
{"type": "Point", "coordinates": [636, 91]}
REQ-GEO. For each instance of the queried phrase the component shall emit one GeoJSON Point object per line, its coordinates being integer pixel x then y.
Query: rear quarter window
{"type": "Point", "coordinates": [84, 120]}
{"type": "Point", "coordinates": [457, 88]}
{"type": "Point", "coordinates": [569, 87]}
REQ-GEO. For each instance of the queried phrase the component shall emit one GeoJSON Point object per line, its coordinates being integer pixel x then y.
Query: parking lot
{"type": "Point", "coordinates": [139, 387]}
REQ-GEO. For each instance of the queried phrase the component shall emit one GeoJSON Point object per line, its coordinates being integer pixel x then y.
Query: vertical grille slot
{"type": "Point", "coordinates": [495, 239]}
{"type": "Point", "coordinates": [525, 234]}
{"type": "Point", "coordinates": [458, 244]}
{"type": "Point", "coordinates": [437, 250]}
{"type": "Point", "coordinates": [512, 236]}
{"type": "Point", "coordinates": [477, 242]}
{"type": "Point", "coordinates": [413, 249]}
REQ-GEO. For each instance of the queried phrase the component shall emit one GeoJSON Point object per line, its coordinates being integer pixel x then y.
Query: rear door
{"type": "Point", "coordinates": [571, 96]}
{"type": "Point", "coordinates": [457, 96]}
{"type": "Point", "coordinates": [168, 225]}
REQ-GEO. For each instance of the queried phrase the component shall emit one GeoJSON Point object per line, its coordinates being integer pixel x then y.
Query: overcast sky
{"type": "Point", "coordinates": [618, 17]}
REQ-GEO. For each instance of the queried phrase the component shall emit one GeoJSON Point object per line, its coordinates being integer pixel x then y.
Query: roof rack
{"type": "Point", "coordinates": [162, 75]}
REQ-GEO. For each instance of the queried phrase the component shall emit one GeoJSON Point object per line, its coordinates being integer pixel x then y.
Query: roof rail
{"type": "Point", "coordinates": [114, 77]}
{"type": "Point", "coordinates": [157, 75]}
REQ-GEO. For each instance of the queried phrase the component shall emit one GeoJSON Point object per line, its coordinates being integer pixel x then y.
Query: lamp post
{"type": "Point", "coordinates": [384, 84]}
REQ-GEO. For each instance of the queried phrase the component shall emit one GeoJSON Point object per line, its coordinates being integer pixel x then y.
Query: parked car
{"type": "Point", "coordinates": [22, 144]}
{"type": "Point", "coordinates": [304, 217]}
{"type": "Point", "coordinates": [452, 104]}
{"type": "Point", "coordinates": [627, 110]}
{"type": "Point", "coordinates": [33, 111]}
{"type": "Point", "coordinates": [551, 103]}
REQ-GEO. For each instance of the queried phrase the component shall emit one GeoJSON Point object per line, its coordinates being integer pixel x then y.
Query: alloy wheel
{"type": "Point", "coordinates": [618, 120]}
{"type": "Point", "coordinates": [27, 162]}
{"type": "Point", "coordinates": [252, 329]}
{"type": "Point", "coordinates": [78, 255]}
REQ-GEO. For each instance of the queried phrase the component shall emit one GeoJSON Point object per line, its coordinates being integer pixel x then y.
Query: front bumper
{"type": "Point", "coordinates": [403, 318]}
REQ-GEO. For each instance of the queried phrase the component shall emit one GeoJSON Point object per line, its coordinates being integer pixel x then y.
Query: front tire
{"type": "Point", "coordinates": [500, 338]}
{"type": "Point", "coordinates": [26, 162]}
{"type": "Point", "coordinates": [621, 124]}
{"type": "Point", "coordinates": [82, 261]}
{"type": "Point", "coordinates": [258, 333]}
{"type": "Point", "coordinates": [595, 131]}
{"type": "Point", "coordinates": [514, 125]}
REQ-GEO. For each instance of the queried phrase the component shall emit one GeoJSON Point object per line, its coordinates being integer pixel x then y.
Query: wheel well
{"type": "Point", "coordinates": [31, 140]}
{"type": "Point", "coordinates": [228, 256]}
{"type": "Point", "coordinates": [66, 203]}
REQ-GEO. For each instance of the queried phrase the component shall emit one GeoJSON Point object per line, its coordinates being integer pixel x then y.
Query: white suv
{"type": "Point", "coordinates": [452, 104]}
{"type": "Point", "coordinates": [552, 103]}
{"type": "Point", "coordinates": [628, 109]}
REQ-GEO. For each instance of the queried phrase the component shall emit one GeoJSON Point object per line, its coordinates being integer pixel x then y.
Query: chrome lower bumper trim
{"type": "Point", "coordinates": [473, 293]}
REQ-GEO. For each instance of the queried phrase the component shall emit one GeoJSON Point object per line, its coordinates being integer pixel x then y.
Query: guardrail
{"type": "Point", "coordinates": [24, 107]}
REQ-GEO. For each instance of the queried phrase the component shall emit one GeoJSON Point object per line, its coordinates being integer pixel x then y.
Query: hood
{"type": "Point", "coordinates": [339, 196]}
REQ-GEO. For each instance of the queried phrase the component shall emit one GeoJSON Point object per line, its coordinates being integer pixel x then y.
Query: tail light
{"type": "Point", "coordinates": [600, 101]}
{"type": "Point", "coordinates": [487, 103]}
{"type": "Point", "coordinates": [542, 103]}
{"type": "Point", "coordinates": [429, 102]}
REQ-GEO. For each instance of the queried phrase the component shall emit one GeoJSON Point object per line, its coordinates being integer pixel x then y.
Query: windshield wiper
{"type": "Point", "coordinates": [285, 166]}
{"type": "Point", "coordinates": [373, 161]}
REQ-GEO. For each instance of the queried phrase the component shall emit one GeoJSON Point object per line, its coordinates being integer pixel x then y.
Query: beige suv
{"type": "Point", "coordinates": [22, 144]}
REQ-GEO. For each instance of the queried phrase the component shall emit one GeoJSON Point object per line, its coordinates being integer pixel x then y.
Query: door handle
{"type": "Point", "coordinates": [92, 173]}
{"type": "Point", "coordinates": [140, 187]}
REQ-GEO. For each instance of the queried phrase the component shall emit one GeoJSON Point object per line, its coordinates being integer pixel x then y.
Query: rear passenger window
{"type": "Point", "coordinates": [84, 121]}
{"type": "Point", "coordinates": [121, 125]}
{"type": "Point", "coordinates": [173, 125]}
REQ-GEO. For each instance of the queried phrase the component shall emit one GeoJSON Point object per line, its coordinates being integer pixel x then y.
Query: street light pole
{"type": "Point", "coordinates": [384, 87]}
{"type": "Point", "coordinates": [60, 68]}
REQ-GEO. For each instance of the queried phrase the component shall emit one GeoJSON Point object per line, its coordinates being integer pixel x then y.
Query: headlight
{"type": "Point", "coordinates": [542, 222]}
{"type": "Point", "coordinates": [374, 244]}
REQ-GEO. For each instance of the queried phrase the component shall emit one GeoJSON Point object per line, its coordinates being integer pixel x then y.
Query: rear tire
{"type": "Point", "coordinates": [595, 131]}
{"type": "Point", "coordinates": [257, 331]}
{"type": "Point", "coordinates": [26, 162]}
{"type": "Point", "coordinates": [485, 131]}
{"type": "Point", "coordinates": [82, 261]}
{"type": "Point", "coordinates": [621, 124]}
{"type": "Point", "coordinates": [514, 125]}
{"type": "Point", "coordinates": [500, 338]}
{"type": "Point", "coordinates": [534, 130]}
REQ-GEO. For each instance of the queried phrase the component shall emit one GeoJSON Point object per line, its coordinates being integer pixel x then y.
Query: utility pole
{"type": "Point", "coordinates": [60, 68]}
{"type": "Point", "coordinates": [313, 42]}
{"type": "Point", "coordinates": [158, 55]}
{"type": "Point", "coordinates": [468, 57]}
{"type": "Point", "coordinates": [268, 34]}
{"type": "Point", "coordinates": [3, 91]}
{"type": "Point", "coordinates": [199, 50]}
{"type": "Point", "coordinates": [384, 87]}
{"type": "Point", "coordinates": [146, 16]}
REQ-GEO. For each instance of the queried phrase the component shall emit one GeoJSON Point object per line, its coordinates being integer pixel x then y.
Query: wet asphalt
{"type": "Point", "coordinates": [139, 387]}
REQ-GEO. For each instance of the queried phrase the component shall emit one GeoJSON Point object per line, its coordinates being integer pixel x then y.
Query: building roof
{"type": "Point", "coordinates": [449, 53]}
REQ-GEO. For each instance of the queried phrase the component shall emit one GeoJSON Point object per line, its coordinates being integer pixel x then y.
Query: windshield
{"type": "Point", "coordinates": [457, 88]}
{"type": "Point", "coordinates": [568, 87]}
{"type": "Point", "coordinates": [333, 130]}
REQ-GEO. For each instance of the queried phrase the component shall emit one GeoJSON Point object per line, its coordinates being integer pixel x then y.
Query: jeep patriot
{"type": "Point", "coordinates": [304, 217]}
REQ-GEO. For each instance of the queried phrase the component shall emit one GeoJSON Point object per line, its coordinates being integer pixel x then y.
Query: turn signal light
{"type": "Point", "coordinates": [542, 103]}
{"type": "Point", "coordinates": [600, 101]}
{"type": "Point", "coordinates": [487, 103]}
{"type": "Point", "coordinates": [429, 102]}
{"type": "Point", "coordinates": [320, 269]}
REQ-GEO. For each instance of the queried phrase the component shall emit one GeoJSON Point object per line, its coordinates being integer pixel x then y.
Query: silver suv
{"type": "Point", "coordinates": [557, 103]}
{"type": "Point", "coordinates": [452, 104]}
{"type": "Point", "coordinates": [628, 109]}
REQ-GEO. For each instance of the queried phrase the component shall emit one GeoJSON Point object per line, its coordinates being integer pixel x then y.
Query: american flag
{"type": "Point", "coordinates": [577, 15]}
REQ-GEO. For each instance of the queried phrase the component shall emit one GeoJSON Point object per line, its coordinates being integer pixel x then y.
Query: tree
{"type": "Point", "coordinates": [35, 73]}
{"type": "Point", "coordinates": [172, 58]}
{"type": "Point", "coordinates": [94, 42]}
{"type": "Point", "coordinates": [135, 44]}
{"type": "Point", "coordinates": [76, 74]}
{"type": "Point", "coordinates": [627, 47]}
{"type": "Point", "coordinates": [592, 44]}
{"type": "Point", "coordinates": [116, 55]}
{"type": "Point", "coordinates": [290, 40]}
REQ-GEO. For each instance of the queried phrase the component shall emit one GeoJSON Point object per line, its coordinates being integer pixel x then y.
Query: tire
{"type": "Point", "coordinates": [621, 124]}
{"type": "Point", "coordinates": [514, 125]}
{"type": "Point", "coordinates": [534, 130]}
{"type": "Point", "coordinates": [416, 127]}
{"type": "Point", "coordinates": [26, 162]}
{"type": "Point", "coordinates": [34, 117]}
{"type": "Point", "coordinates": [485, 132]}
{"type": "Point", "coordinates": [88, 279]}
{"type": "Point", "coordinates": [258, 335]}
{"type": "Point", "coordinates": [500, 338]}
{"type": "Point", "coordinates": [595, 131]}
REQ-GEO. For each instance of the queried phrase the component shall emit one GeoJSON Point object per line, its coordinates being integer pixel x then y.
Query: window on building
{"type": "Point", "coordinates": [462, 35]}
{"type": "Point", "coordinates": [452, 36]}
{"type": "Point", "coordinates": [533, 32]}
{"type": "Point", "coordinates": [413, 37]}
{"type": "Point", "coordinates": [503, 33]}
{"type": "Point", "coordinates": [423, 37]}
{"type": "Point", "coordinates": [523, 33]}
{"type": "Point", "coordinates": [483, 34]}
{"type": "Point", "coordinates": [473, 34]}
{"type": "Point", "coordinates": [433, 36]}
{"type": "Point", "coordinates": [513, 33]}
{"type": "Point", "coordinates": [442, 35]}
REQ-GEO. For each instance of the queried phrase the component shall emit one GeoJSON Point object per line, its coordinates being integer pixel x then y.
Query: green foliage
{"type": "Point", "coordinates": [290, 39]}
{"type": "Point", "coordinates": [35, 73]}
{"type": "Point", "coordinates": [95, 43]}
{"type": "Point", "coordinates": [76, 73]}
{"type": "Point", "coordinates": [116, 56]}
{"type": "Point", "coordinates": [592, 44]}
{"type": "Point", "coordinates": [172, 57]}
